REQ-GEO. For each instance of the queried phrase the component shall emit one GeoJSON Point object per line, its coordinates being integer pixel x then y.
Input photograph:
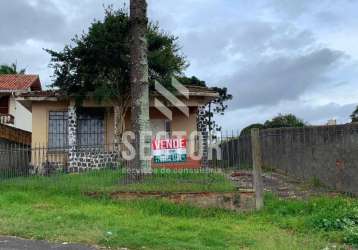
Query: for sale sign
{"type": "Point", "coordinates": [169, 150]}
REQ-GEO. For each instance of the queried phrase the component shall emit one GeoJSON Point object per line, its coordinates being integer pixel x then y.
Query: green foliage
{"type": "Point", "coordinates": [351, 236]}
{"type": "Point", "coordinates": [316, 182]}
{"type": "Point", "coordinates": [98, 61]}
{"type": "Point", "coordinates": [247, 130]}
{"type": "Point", "coordinates": [280, 121]}
{"type": "Point", "coordinates": [285, 121]}
{"type": "Point", "coordinates": [354, 115]}
{"type": "Point", "coordinates": [191, 81]}
{"type": "Point", "coordinates": [335, 217]}
{"type": "Point", "coordinates": [11, 69]}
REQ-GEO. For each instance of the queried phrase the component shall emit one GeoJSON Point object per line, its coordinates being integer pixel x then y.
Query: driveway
{"type": "Point", "coordinates": [13, 243]}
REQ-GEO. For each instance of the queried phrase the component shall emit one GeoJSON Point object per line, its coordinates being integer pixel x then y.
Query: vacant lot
{"type": "Point", "coordinates": [54, 208]}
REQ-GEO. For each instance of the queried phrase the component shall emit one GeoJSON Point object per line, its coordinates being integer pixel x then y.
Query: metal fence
{"type": "Point", "coordinates": [96, 168]}
{"type": "Point", "coordinates": [328, 154]}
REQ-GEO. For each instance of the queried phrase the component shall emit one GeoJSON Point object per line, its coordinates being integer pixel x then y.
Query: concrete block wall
{"type": "Point", "coordinates": [328, 153]}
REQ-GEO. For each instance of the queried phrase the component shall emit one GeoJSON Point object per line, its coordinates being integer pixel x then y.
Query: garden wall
{"type": "Point", "coordinates": [328, 153]}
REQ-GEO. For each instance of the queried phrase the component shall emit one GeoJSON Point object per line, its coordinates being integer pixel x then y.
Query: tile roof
{"type": "Point", "coordinates": [20, 82]}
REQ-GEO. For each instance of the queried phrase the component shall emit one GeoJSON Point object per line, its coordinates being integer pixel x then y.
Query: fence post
{"type": "Point", "coordinates": [257, 168]}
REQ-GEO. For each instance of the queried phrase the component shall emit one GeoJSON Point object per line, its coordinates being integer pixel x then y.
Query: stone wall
{"type": "Point", "coordinates": [327, 153]}
{"type": "Point", "coordinates": [92, 159]}
{"type": "Point", "coordinates": [72, 136]}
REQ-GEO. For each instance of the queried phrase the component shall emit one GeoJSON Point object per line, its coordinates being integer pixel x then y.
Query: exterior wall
{"type": "Point", "coordinates": [15, 135]}
{"type": "Point", "coordinates": [180, 121]}
{"type": "Point", "coordinates": [328, 153]}
{"type": "Point", "coordinates": [14, 151]}
{"type": "Point", "coordinates": [82, 160]}
{"type": "Point", "coordinates": [22, 116]}
{"type": "Point", "coordinates": [40, 115]}
{"type": "Point", "coordinates": [325, 153]}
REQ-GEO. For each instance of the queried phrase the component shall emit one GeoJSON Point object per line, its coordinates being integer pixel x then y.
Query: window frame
{"type": "Point", "coordinates": [93, 121]}
{"type": "Point", "coordinates": [51, 133]}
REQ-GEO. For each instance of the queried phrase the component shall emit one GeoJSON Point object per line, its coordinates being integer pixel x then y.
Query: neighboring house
{"type": "Point", "coordinates": [12, 113]}
{"type": "Point", "coordinates": [56, 125]}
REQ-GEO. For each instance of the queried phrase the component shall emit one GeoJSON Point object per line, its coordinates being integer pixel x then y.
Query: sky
{"type": "Point", "coordinates": [274, 56]}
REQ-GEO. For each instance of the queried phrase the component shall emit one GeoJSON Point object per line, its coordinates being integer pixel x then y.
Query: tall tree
{"type": "Point", "coordinates": [139, 79]}
{"type": "Point", "coordinates": [354, 115]}
{"type": "Point", "coordinates": [98, 63]}
{"type": "Point", "coordinates": [11, 69]}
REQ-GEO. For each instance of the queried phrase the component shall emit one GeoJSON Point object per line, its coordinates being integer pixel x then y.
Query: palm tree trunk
{"type": "Point", "coordinates": [139, 81]}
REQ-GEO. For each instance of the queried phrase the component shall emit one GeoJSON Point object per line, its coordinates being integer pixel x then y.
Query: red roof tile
{"type": "Point", "coordinates": [20, 82]}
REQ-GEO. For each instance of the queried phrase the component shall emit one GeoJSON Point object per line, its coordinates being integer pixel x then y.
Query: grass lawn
{"type": "Point", "coordinates": [114, 180]}
{"type": "Point", "coordinates": [35, 208]}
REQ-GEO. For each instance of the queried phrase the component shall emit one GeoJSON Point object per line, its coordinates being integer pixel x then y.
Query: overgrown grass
{"type": "Point", "coordinates": [37, 208]}
{"type": "Point", "coordinates": [336, 218]}
{"type": "Point", "coordinates": [148, 223]}
{"type": "Point", "coordinates": [117, 180]}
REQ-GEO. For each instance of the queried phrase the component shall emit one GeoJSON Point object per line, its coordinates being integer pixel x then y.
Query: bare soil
{"type": "Point", "coordinates": [280, 184]}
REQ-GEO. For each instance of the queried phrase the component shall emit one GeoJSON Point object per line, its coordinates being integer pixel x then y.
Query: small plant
{"type": "Point", "coordinates": [351, 236]}
{"type": "Point", "coordinates": [316, 182]}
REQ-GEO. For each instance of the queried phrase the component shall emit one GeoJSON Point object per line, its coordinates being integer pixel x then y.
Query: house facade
{"type": "Point", "coordinates": [13, 113]}
{"type": "Point", "coordinates": [57, 123]}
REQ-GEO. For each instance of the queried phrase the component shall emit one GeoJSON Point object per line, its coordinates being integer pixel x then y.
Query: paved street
{"type": "Point", "coordinates": [12, 243]}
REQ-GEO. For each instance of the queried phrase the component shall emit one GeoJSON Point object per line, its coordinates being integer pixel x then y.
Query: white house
{"type": "Point", "coordinates": [12, 112]}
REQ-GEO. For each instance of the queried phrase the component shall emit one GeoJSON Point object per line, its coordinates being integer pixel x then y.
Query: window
{"type": "Point", "coordinates": [160, 125]}
{"type": "Point", "coordinates": [90, 128]}
{"type": "Point", "coordinates": [168, 127]}
{"type": "Point", "coordinates": [58, 129]}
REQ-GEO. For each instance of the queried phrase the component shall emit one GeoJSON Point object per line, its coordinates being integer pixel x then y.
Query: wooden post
{"type": "Point", "coordinates": [257, 168]}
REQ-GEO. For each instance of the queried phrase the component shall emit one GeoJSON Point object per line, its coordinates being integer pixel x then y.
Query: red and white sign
{"type": "Point", "coordinates": [169, 150]}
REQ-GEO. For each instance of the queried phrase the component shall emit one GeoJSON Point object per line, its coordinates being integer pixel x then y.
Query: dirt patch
{"type": "Point", "coordinates": [236, 201]}
{"type": "Point", "coordinates": [280, 184]}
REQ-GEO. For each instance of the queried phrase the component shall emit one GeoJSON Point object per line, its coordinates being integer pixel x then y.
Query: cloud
{"type": "Point", "coordinates": [273, 55]}
{"type": "Point", "coordinates": [21, 20]}
{"type": "Point", "coordinates": [314, 114]}
{"type": "Point", "coordinates": [270, 81]}
{"type": "Point", "coordinates": [292, 9]}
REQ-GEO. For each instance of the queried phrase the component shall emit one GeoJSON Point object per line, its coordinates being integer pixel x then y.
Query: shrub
{"type": "Point", "coordinates": [351, 236]}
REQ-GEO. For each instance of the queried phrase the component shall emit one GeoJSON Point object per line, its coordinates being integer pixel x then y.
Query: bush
{"type": "Point", "coordinates": [351, 236]}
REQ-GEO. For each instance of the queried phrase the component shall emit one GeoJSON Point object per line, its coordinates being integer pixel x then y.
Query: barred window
{"type": "Point", "coordinates": [58, 129]}
{"type": "Point", "coordinates": [168, 127]}
{"type": "Point", "coordinates": [90, 130]}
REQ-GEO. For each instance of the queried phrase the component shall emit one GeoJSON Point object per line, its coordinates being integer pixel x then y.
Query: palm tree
{"type": "Point", "coordinates": [10, 69]}
{"type": "Point", "coordinates": [139, 79]}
